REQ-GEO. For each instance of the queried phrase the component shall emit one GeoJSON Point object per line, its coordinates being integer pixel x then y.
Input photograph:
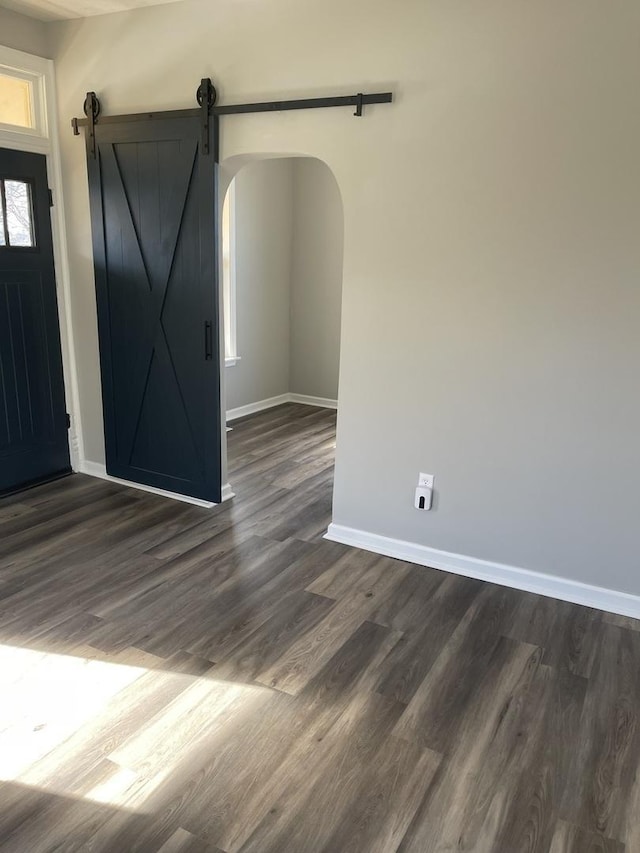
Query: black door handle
{"type": "Point", "coordinates": [208, 352]}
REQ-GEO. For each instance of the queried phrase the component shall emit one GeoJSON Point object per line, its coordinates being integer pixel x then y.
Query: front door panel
{"type": "Point", "coordinates": [33, 423]}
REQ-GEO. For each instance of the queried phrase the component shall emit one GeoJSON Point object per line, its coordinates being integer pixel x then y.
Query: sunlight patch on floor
{"type": "Point", "coordinates": [55, 709]}
{"type": "Point", "coordinates": [46, 697]}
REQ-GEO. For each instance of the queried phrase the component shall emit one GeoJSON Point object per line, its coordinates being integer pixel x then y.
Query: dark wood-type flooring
{"type": "Point", "coordinates": [180, 679]}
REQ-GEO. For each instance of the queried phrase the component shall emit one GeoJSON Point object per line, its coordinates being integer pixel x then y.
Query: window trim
{"type": "Point", "coordinates": [38, 104]}
{"type": "Point", "coordinates": [228, 244]}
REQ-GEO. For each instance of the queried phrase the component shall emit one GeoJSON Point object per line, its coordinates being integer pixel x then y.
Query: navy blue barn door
{"type": "Point", "coordinates": [153, 210]}
{"type": "Point", "coordinates": [33, 422]}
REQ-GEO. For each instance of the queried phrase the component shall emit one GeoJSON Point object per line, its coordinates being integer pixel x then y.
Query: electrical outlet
{"type": "Point", "coordinates": [425, 480]}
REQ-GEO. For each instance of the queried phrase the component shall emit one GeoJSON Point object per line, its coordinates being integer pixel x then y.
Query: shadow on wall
{"type": "Point", "coordinates": [283, 229]}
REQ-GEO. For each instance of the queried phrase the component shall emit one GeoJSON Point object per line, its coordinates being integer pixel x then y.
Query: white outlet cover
{"type": "Point", "coordinates": [425, 480]}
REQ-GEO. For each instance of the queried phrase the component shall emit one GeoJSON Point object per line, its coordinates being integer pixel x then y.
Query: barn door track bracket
{"type": "Point", "coordinates": [91, 109]}
{"type": "Point", "coordinates": [206, 96]}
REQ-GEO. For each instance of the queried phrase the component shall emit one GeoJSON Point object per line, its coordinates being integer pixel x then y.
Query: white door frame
{"type": "Point", "coordinates": [43, 139]}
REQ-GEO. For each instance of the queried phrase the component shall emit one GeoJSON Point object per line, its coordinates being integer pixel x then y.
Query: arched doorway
{"type": "Point", "coordinates": [282, 255]}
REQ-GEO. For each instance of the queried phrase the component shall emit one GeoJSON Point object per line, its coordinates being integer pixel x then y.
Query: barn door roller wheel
{"type": "Point", "coordinates": [92, 111]}
{"type": "Point", "coordinates": [206, 96]}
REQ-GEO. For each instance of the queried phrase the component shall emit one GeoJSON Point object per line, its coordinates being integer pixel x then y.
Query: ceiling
{"type": "Point", "coordinates": [52, 10]}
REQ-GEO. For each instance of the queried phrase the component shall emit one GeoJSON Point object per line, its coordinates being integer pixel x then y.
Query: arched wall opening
{"type": "Point", "coordinates": [281, 283]}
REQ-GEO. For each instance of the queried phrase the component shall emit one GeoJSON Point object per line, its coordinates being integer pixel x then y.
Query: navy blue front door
{"type": "Point", "coordinates": [153, 211]}
{"type": "Point", "coordinates": [33, 423]}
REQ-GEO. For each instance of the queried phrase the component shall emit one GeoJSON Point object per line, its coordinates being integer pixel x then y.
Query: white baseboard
{"type": "Point", "coordinates": [96, 469]}
{"type": "Point", "coordinates": [610, 600]}
{"type": "Point", "coordinates": [321, 402]}
{"type": "Point", "coordinates": [259, 406]}
{"type": "Point", "coordinates": [281, 399]}
{"type": "Point", "coordinates": [227, 493]}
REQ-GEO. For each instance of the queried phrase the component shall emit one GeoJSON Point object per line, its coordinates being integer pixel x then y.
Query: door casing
{"type": "Point", "coordinates": [44, 140]}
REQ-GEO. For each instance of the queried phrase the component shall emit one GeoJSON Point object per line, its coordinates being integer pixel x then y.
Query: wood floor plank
{"type": "Point", "coordinates": [451, 816]}
{"type": "Point", "coordinates": [608, 740]}
{"type": "Point", "coordinates": [529, 794]}
{"type": "Point", "coordinates": [621, 621]}
{"type": "Point", "coordinates": [436, 710]}
{"type": "Point", "coordinates": [307, 656]}
{"type": "Point", "coordinates": [573, 839]}
{"type": "Point", "coordinates": [43, 822]}
{"type": "Point", "coordinates": [390, 792]}
{"type": "Point", "coordinates": [568, 634]}
{"type": "Point", "coordinates": [264, 647]}
{"type": "Point", "coordinates": [414, 656]}
{"type": "Point", "coordinates": [288, 738]}
{"type": "Point", "coordinates": [344, 575]}
{"type": "Point", "coordinates": [13, 510]}
{"type": "Point", "coordinates": [178, 728]}
{"type": "Point", "coordinates": [311, 807]}
{"type": "Point", "coordinates": [66, 766]}
{"type": "Point", "coordinates": [175, 679]}
{"type": "Point", "coordinates": [243, 609]}
{"type": "Point", "coordinates": [185, 842]}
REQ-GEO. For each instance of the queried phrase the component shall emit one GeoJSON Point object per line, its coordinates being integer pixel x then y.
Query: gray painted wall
{"type": "Point", "coordinates": [263, 232]}
{"type": "Point", "coordinates": [316, 280]}
{"type": "Point", "coordinates": [491, 304]}
{"type": "Point", "coordinates": [23, 33]}
{"type": "Point", "coordinates": [288, 235]}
